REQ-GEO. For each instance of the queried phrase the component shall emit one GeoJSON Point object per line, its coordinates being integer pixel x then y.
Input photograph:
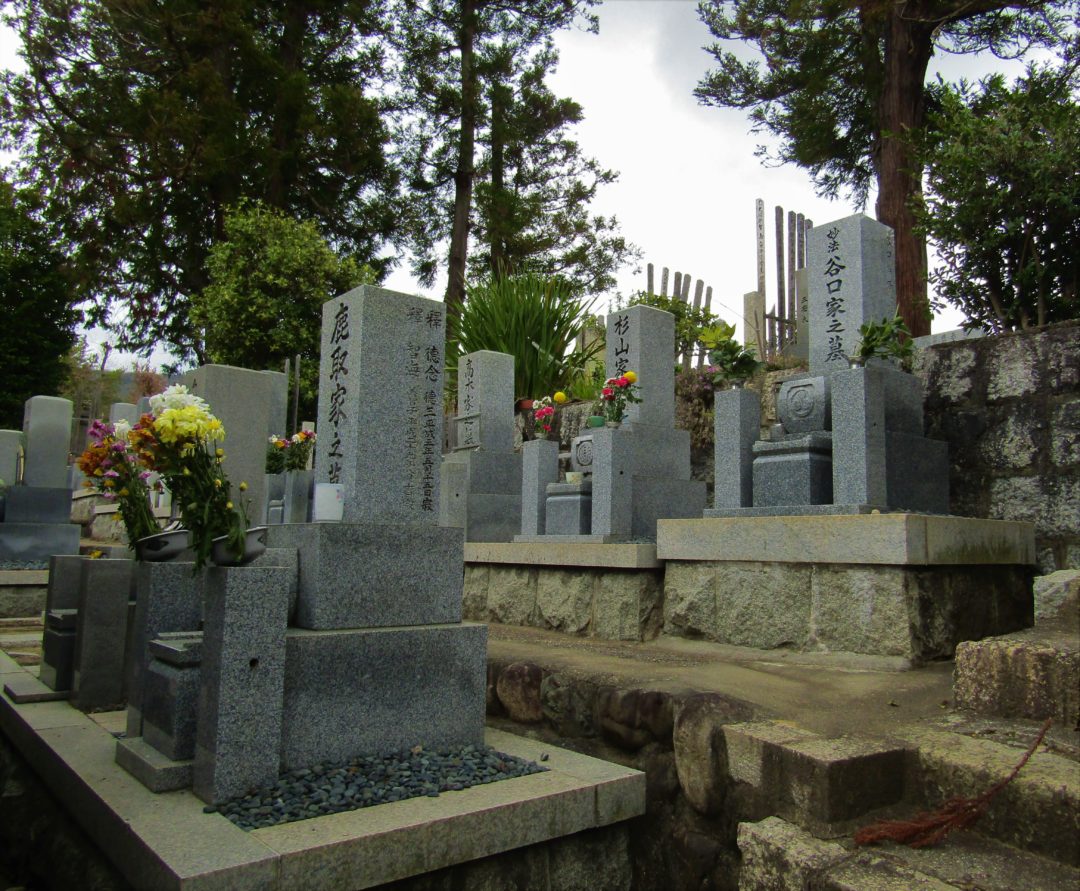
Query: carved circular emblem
{"type": "Point", "coordinates": [801, 401]}
{"type": "Point", "coordinates": [583, 453]}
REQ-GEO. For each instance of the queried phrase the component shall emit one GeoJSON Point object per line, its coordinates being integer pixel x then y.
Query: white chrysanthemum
{"type": "Point", "coordinates": [121, 429]}
{"type": "Point", "coordinates": [177, 397]}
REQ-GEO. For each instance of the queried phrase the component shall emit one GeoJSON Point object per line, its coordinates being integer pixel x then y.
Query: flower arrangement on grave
{"type": "Point", "coordinates": [617, 393]}
{"type": "Point", "coordinates": [291, 453]}
{"type": "Point", "coordinates": [887, 339]}
{"type": "Point", "coordinates": [730, 362]}
{"type": "Point", "coordinates": [114, 469]}
{"type": "Point", "coordinates": [543, 416]}
{"type": "Point", "coordinates": [178, 440]}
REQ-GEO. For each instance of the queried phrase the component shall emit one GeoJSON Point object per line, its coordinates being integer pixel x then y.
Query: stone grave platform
{"type": "Point", "coordinates": [165, 842]}
{"type": "Point", "coordinates": [612, 591]}
{"type": "Point", "coordinates": [893, 584]}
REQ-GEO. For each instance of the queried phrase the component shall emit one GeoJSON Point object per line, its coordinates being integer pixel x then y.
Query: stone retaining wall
{"type": "Point", "coordinates": [1009, 407]}
{"type": "Point", "coordinates": [613, 604]}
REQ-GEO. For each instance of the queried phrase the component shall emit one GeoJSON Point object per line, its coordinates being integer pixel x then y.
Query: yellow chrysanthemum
{"type": "Point", "coordinates": [631, 376]}
{"type": "Point", "coordinates": [560, 397]}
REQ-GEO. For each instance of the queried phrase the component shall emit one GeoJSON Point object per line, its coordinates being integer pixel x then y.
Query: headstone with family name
{"type": "Point", "coordinates": [480, 480]}
{"type": "Point", "coordinates": [852, 280]}
{"type": "Point", "coordinates": [849, 439]}
{"type": "Point", "coordinates": [641, 471]}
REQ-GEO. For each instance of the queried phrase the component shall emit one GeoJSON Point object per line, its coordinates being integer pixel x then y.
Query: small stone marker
{"type": "Point", "coordinates": [485, 418]}
{"type": "Point", "coordinates": [852, 281]}
{"type": "Point", "coordinates": [124, 411]}
{"type": "Point", "coordinates": [380, 406]}
{"type": "Point", "coordinates": [11, 446]}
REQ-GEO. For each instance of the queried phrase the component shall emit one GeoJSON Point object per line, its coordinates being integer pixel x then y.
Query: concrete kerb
{"type": "Point", "coordinates": [554, 554]}
{"type": "Point", "coordinates": [165, 841]}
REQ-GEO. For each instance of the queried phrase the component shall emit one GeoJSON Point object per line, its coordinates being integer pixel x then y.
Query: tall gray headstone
{"type": "Point", "coordinates": [251, 406]}
{"type": "Point", "coordinates": [11, 447]}
{"type": "Point", "coordinates": [641, 339]}
{"type": "Point", "coordinates": [852, 281]}
{"type": "Point", "coordinates": [485, 418]}
{"type": "Point", "coordinates": [47, 428]}
{"type": "Point", "coordinates": [381, 406]}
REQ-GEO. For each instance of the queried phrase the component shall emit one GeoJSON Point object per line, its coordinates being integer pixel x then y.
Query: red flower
{"type": "Point", "coordinates": [607, 393]}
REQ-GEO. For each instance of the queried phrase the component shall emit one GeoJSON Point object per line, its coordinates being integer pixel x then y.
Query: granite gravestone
{"type": "Point", "coordinates": [849, 439]}
{"type": "Point", "coordinates": [640, 471]}
{"type": "Point", "coordinates": [37, 509]}
{"type": "Point", "coordinates": [480, 480]}
{"type": "Point", "coordinates": [251, 405]}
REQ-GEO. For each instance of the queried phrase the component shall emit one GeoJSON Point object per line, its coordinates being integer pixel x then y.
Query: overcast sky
{"type": "Point", "coordinates": [688, 173]}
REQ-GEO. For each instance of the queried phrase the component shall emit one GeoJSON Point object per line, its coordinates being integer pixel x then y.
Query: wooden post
{"type": "Point", "coordinates": [649, 273]}
{"type": "Point", "coordinates": [780, 277]}
{"type": "Point", "coordinates": [788, 331]}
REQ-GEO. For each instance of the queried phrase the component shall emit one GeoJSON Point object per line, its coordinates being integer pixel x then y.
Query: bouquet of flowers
{"type": "Point", "coordinates": [177, 439]}
{"type": "Point", "coordinates": [290, 454]}
{"type": "Point", "coordinates": [617, 393]}
{"type": "Point", "coordinates": [543, 416]}
{"type": "Point", "coordinates": [113, 467]}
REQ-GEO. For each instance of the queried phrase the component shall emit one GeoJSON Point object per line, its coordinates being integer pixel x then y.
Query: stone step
{"type": "Point", "coordinates": [1033, 674]}
{"type": "Point", "coordinates": [779, 856]}
{"type": "Point", "coordinates": [820, 784]}
{"type": "Point", "coordinates": [1039, 811]}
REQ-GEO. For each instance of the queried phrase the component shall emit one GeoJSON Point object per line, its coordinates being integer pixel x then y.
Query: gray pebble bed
{"type": "Point", "coordinates": [365, 781]}
{"type": "Point", "coordinates": [24, 564]}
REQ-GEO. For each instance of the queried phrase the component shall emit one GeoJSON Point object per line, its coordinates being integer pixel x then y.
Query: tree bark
{"type": "Point", "coordinates": [902, 110]}
{"type": "Point", "coordinates": [463, 175]}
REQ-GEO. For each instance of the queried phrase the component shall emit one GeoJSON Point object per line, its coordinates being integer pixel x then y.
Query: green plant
{"type": "Point", "coordinates": [690, 322]}
{"type": "Point", "coordinates": [730, 361]}
{"type": "Point", "coordinates": [534, 318]}
{"type": "Point", "coordinates": [887, 339]}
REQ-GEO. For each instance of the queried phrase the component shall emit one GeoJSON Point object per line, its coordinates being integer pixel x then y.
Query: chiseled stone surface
{"type": "Point", "coordinates": [386, 690]}
{"type": "Point", "coordinates": [474, 595]}
{"type": "Point", "coordinates": [628, 605]}
{"type": "Point", "coordinates": [762, 605]}
{"type": "Point", "coordinates": [698, 740]}
{"type": "Point", "coordinates": [780, 857]}
{"type": "Point", "coordinates": [352, 575]}
{"type": "Point", "coordinates": [242, 679]}
{"type": "Point", "coordinates": [608, 556]}
{"type": "Point", "coordinates": [170, 703]}
{"type": "Point", "coordinates": [862, 609]}
{"type": "Point", "coordinates": [690, 600]}
{"type": "Point", "coordinates": [564, 599]}
{"type": "Point", "coordinates": [511, 595]}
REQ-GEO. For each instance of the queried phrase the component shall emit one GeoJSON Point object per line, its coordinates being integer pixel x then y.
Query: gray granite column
{"type": "Point", "coordinates": [167, 598]}
{"type": "Point", "coordinates": [242, 681]}
{"type": "Point", "coordinates": [101, 633]}
{"type": "Point", "coordinates": [858, 420]}
{"type": "Point", "coordinates": [540, 466]}
{"type": "Point", "coordinates": [11, 443]}
{"type": "Point", "coordinates": [613, 488]}
{"type": "Point", "coordinates": [736, 427]}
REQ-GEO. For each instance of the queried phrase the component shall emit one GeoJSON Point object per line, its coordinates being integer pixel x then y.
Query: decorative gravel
{"type": "Point", "coordinates": [365, 781]}
{"type": "Point", "coordinates": [24, 564]}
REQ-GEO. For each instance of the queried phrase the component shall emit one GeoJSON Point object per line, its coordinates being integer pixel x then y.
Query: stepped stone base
{"type": "Point", "coordinates": [1028, 675]}
{"type": "Point", "coordinates": [778, 856]}
{"type": "Point", "coordinates": [381, 690]}
{"type": "Point", "coordinates": [907, 585]}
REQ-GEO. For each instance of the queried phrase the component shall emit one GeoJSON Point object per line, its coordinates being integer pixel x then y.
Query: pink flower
{"type": "Point", "coordinates": [112, 474]}
{"type": "Point", "coordinates": [607, 393]}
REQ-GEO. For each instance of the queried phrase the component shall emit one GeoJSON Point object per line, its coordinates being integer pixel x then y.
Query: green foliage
{"type": "Point", "coordinates": [694, 406]}
{"type": "Point", "coordinates": [887, 339]}
{"type": "Point", "coordinates": [144, 120]}
{"type": "Point", "coordinates": [729, 359]}
{"type": "Point", "coordinates": [268, 281]}
{"type": "Point", "coordinates": [533, 318]}
{"type": "Point", "coordinates": [36, 316]}
{"type": "Point", "coordinates": [87, 383]}
{"type": "Point", "coordinates": [1003, 193]}
{"type": "Point", "coordinates": [689, 322]}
